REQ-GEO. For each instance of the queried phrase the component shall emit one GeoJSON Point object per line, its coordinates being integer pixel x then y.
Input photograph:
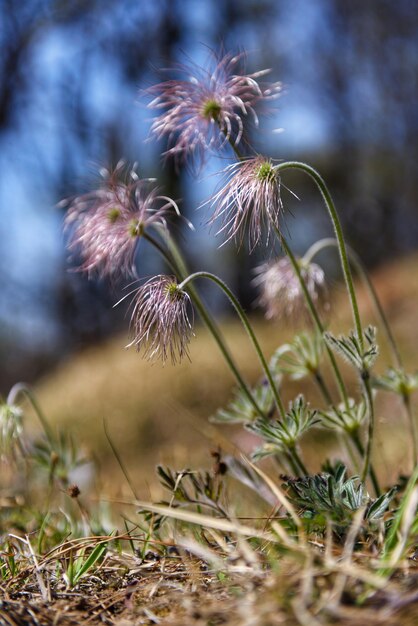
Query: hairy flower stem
{"type": "Point", "coordinates": [356, 262]}
{"type": "Point", "coordinates": [291, 463]}
{"type": "Point", "coordinates": [353, 435]}
{"type": "Point", "coordinates": [319, 379]}
{"type": "Point", "coordinates": [299, 462]}
{"type": "Point", "coordinates": [320, 382]}
{"type": "Point", "coordinates": [244, 319]}
{"type": "Point", "coordinates": [408, 408]}
{"type": "Point", "coordinates": [337, 372]}
{"type": "Point", "coordinates": [295, 463]}
{"type": "Point", "coordinates": [338, 232]}
{"type": "Point", "coordinates": [362, 272]}
{"type": "Point", "coordinates": [370, 409]}
{"type": "Point", "coordinates": [163, 252]}
{"type": "Point", "coordinates": [314, 315]}
{"type": "Point", "coordinates": [176, 262]}
{"type": "Point", "coordinates": [360, 449]}
{"type": "Point", "coordinates": [235, 149]}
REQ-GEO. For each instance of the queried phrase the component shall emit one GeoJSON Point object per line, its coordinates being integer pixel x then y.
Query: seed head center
{"type": "Point", "coordinates": [113, 215]}
{"type": "Point", "coordinates": [173, 291]}
{"type": "Point", "coordinates": [211, 110]}
{"type": "Point", "coordinates": [136, 229]}
{"type": "Point", "coordinates": [265, 172]}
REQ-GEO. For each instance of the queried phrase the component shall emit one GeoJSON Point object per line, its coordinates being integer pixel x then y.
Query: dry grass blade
{"type": "Point", "coordinates": [275, 489]}
{"type": "Point", "coordinates": [43, 588]}
{"type": "Point", "coordinates": [204, 520]}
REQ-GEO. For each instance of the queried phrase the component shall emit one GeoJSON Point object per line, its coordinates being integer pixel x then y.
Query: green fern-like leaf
{"type": "Point", "coordinates": [299, 358]}
{"type": "Point", "coordinates": [281, 435]}
{"type": "Point", "coordinates": [350, 349]}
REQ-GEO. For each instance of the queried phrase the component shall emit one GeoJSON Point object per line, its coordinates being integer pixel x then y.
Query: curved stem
{"type": "Point", "coordinates": [314, 314]}
{"type": "Point", "coordinates": [338, 232]}
{"type": "Point", "coordinates": [178, 265]}
{"type": "Point", "coordinates": [244, 319]}
{"type": "Point", "coordinates": [362, 272]}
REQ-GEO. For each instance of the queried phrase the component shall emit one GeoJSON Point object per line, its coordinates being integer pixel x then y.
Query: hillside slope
{"type": "Point", "coordinates": [157, 413]}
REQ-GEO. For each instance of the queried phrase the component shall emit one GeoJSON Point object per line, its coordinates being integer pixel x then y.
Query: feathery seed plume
{"type": "Point", "coordinates": [281, 292]}
{"type": "Point", "coordinates": [106, 224]}
{"type": "Point", "coordinates": [250, 199]}
{"type": "Point", "coordinates": [209, 107]}
{"type": "Point", "coordinates": [160, 323]}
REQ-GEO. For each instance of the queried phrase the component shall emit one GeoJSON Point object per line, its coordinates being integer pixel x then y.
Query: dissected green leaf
{"type": "Point", "coordinates": [241, 410]}
{"type": "Point", "coordinates": [397, 381]}
{"type": "Point", "coordinates": [280, 435]}
{"type": "Point", "coordinates": [299, 358]}
{"type": "Point", "coordinates": [347, 419]}
{"type": "Point", "coordinates": [350, 349]}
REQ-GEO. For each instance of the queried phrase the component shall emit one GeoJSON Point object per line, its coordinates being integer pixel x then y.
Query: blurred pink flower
{"type": "Point", "coordinates": [281, 294]}
{"type": "Point", "coordinates": [105, 225]}
{"type": "Point", "coordinates": [208, 108]}
{"type": "Point", "coordinates": [249, 199]}
{"type": "Point", "coordinates": [160, 322]}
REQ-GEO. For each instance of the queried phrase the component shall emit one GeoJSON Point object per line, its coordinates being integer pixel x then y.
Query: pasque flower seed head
{"type": "Point", "coordinates": [281, 294]}
{"type": "Point", "coordinates": [249, 201]}
{"type": "Point", "coordinates": [105, 224]}
{"type": "Point", "coordinates": [208, 107]}
{"type": "Point", "coordinates": [160, 322]}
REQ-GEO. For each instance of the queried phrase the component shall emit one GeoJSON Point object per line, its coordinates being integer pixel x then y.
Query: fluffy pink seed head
{"type": "Point", "coordinates": [160, 323]}
{"type": "Point", "coordinates": [209, 107]}
{"type": "Point", "coordinates": [105, 224]}
{"type": "Point", "coordinates": [249, 202]}
{"type": "Point", "coordinates": [281, 295]}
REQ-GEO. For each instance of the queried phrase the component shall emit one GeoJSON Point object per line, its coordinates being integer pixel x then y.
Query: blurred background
{"type": "Point", "coordinates": [71, 72]}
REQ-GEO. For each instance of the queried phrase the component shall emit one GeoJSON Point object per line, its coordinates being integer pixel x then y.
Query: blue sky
{"type": "Point", "coordinates": [40, 146]}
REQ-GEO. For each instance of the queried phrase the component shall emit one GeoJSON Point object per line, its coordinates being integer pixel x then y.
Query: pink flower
{"type": "Point", "coordinates": [160, 322]}
{"type": "Point", "coordinates": [106, 224]}
{"type": "Point", "coordinates": [281, 294]}
{"type": "Point", "coordinates": [207, 109]}
{"type": "Point", "coordinates": [249, 199]}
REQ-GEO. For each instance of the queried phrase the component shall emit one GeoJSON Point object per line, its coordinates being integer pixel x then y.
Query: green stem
{"type": "Point", "coordinates": [225, 352]}
{"type": "Point", "coordinates": [299, 461]}
{"type": "Point", "coordinates": [244, 319]}
{"type": "Point", "coordinates": [167, 258]}
{"type": "Point", "coordinates": [236, 150]}
{"type": "Point", "coordinates": [360, 449]}
{"type": "Point", "coordinates": [338, 232]}
{"type": "Point", "coordinates": [322, 386]}
{"type": "Point", "coordinates": [178, 265]}
{"type": "Point", "coordinates": [370, 409]}
{"type": "Point", "coordinates": [327, 396]}
{"type": "Point", "coordinates": [314, 314]}
{"type": "Point", "coordinates": [293, 465]}
{"type": "Point", "coordinates": [362, 272]}
{"type": "Point", "coordinates": [408, 409]}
